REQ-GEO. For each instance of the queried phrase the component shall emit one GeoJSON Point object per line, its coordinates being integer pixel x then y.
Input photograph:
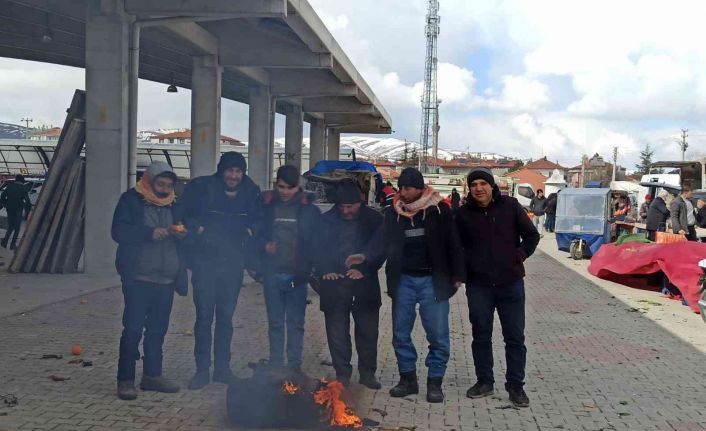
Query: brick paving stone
{"type": "Point", "coordinates": [592, 365]}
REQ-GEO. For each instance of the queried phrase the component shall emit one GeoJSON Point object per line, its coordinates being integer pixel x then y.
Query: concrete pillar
{"type": "Point", "coordinates": [333, 144]}
{"type": "Point", "coordinates": [260, 138]}
{"type": "Point", "coordinates": [317, 141]}
{"type": "Point", "coordinates": [293, 136]}
{"type": "Point", "coordinates": [205, 115]}
{"type": "Point", "coordinates": [107, 41]}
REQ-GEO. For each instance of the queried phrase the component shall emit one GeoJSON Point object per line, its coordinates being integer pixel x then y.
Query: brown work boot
{"type": "Point", "coordinates": [126, 390]}
{"type": "Point", "coordinates": [158, 384]}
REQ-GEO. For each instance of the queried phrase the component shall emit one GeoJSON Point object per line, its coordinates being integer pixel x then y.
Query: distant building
{"type": "Point", "coordinates": [544, 167]}
{"type": "Point", "coordinates": [594, 169]}
{"type": "Point", "coordinates": [530, 176]}
{"type": "Point", "coordinates": [51, 134]}
{"type": "Point", "coordinates": [500, 167]}
{"type": "Point", "coordinates": [184, 137]}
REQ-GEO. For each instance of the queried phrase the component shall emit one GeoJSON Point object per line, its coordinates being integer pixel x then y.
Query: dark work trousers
{"type": "Point", "coordinates": [691, 234]}
{"type": "Point", "coordinates": [147, 307]}
{"type": "Point", "coordinates": [14, 222]}
{"type": "Point", "coordinates": [509, 300]}
{"type": "Point", "coordinates": [338, 334]}
{"type": "Point", "coordinates": [216, 290]}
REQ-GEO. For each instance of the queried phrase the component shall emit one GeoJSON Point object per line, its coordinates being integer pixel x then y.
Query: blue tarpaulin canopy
{"type": "Point", "coordinates": [593, 185]}
{"type": "Point", "coordinates": [326, 166]}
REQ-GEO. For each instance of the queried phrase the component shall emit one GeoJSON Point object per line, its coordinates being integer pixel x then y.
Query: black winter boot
{"type": "Point", "coordinates": [434, 393]}
{"type": "Point", "coordinates": [407, 386]}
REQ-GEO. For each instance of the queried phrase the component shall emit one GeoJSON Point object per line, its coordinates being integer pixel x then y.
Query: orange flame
{"type": "Point", "coordinates": [290, 388]}
{"type": "Point", "coordinates": [337, 412]}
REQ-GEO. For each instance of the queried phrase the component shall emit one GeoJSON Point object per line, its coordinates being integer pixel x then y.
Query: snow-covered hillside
{"type": "Point", "coordinates": [11, 131]}
{"type": "Point", "coordinates": [391, 148]}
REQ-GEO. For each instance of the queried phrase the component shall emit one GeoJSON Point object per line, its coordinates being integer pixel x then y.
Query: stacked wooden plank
{"type": "Point", "coordinates": [53, 240]}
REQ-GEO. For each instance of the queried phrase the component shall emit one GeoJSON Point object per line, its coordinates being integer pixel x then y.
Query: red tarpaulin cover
{"type": "Point", "coordinates": [624, 263]}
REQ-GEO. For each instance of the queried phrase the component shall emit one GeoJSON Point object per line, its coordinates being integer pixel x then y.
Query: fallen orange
{"type": "Point", "coordinates": [76, 350]}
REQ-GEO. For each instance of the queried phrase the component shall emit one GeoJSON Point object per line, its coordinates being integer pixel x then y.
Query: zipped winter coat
{"type": "Point", "coordinates": [443, 245]}
{"type": "Point", "coordinates": [496, 240]}
{"type": "Point", "coordinates": [330, 259]}
{"type": "Point", "coordinates": [308, 224]}
{"type": "Point", "coordinates": [131, 234]}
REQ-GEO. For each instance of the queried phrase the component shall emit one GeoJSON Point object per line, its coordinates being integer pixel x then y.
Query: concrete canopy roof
{"type": "Point", "coordinates": [282, 44]}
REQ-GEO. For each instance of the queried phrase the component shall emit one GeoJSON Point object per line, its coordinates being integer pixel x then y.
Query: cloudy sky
{"type": "Point", "coordinates": [526, 79]}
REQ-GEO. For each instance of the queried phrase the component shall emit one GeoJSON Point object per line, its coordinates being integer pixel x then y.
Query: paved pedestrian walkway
{"type": "Point", "coordinates": [593, 364]}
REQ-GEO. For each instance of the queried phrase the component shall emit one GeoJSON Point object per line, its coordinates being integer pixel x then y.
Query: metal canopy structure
{"type": "Point", "coordinates": [275, 55]}
{"type": "Point", "coordinates": [282, 44]}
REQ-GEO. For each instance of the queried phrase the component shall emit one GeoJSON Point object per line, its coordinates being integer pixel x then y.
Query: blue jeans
{"type": "Point", "coordinates": [147, 307]}
{"type": "Point", "coordinates": [509, 300]}
{"type": "Point", "coordinates": [549, 222]}
{"type": "Point", "coordinates": [215, 292]}
{"type": "Point", "coordinates": [286, 303]}
{"type": "Point", "coordinates": [435, 320]}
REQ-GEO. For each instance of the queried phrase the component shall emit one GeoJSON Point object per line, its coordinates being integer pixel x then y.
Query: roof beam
{"type": "Point", "coordinates": [364, 128]}
{"type": "Point", "coordinates": [299, 83]}
{"type": "Point", "coordinates": [336, 105]}
{"type": "Point", "coordinates": [233, 9]}
{"type": "Point", "coordinates": [196, 36]}
{"type": "Point", "coordinates": [247, 52]}
{"type": "Point", "coordinates": [346, 119]}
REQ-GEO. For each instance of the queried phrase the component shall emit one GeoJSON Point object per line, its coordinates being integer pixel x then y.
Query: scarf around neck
{"type": "Point", "coordinates": [429, 198]}
{"type": "Point", "coordinates": [144, 187]}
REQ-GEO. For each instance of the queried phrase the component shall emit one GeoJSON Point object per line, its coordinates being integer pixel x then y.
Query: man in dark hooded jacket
{"type": "Point", "coordinates": [497, 237]}
{"type": "Point", "coordinates": [346, 230]}
{"type": "Point", "coordinates": [151, 269]}
{"type": "Point", "coordinates": [221, 211]}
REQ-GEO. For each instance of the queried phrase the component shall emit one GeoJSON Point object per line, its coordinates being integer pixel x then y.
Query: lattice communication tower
{"type": "Point", "coordinates": [430, 99]}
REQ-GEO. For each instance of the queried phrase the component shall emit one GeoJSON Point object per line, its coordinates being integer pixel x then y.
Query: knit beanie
{"type": "Point", "coordinates": [410, 177]}
{"type": "Point", "coordinates": [347, 193]}
{"type": "Point", "coordinates": [232, 159]}
{"type": "Point", "coordinates": [481, 174]}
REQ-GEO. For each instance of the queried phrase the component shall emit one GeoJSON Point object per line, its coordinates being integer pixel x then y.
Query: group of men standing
{"type": "Point", "coordinates": [681, 213]}
{"type": "Point", "coordinates": [222, 225]}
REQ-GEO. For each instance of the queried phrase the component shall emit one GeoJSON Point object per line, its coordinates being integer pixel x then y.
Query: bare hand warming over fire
{"type": "Point", "coordinates": [354, 274]}
{"type": "Point", "coordinates": [332, 276]}
{"type": "Point", "coordinates": [271, 247]}
{"type": "Point", "coordinates": [159, 233]}
{"type": "Point", "coordinates": [354, 259]}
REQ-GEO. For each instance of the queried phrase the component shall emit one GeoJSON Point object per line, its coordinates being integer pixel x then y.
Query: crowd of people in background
{"type": "Point", "coordinates": [223, 225]}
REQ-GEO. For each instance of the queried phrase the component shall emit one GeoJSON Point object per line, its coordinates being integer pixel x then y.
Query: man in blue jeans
{"type": "Point", "coordinates": [419, 240]}
{"type": "Point", "coordinates": [290, 222]}
{"type": "Point", "coordinates": [220, 211]}
{"type": "Point", "coordinates": [497, 237]}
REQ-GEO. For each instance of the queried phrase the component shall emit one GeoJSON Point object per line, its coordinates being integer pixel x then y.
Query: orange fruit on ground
{"type": "Point", "coordinates": [76, 350]}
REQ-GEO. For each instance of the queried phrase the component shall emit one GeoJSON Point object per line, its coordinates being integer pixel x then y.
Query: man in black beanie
{"type": "Point", "coordinates": [222, 210]}
{"type": "Point", "coordinates": [424, 257]}
{"type": "Point", "coordinates": [497, 237]}
{"type": "Point", "coordinates": [346, 230]}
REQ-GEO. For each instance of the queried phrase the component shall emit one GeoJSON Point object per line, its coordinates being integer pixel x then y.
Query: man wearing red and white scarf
{"type": "Point", "coordinates": [419, 240]}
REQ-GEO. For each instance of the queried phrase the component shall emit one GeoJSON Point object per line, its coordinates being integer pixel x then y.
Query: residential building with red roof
{"type": "Point", "coordinates": [530, 176]}
{"type": "Point", "coordinates": [51, 134]}
{"type": "Point", "coordinates": [545, 167]}
{"type": "Point", "coordinates": [184, 137]}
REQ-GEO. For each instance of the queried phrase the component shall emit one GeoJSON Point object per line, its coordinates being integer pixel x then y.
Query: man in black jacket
{"type": "Point", "coordinates": [290, 222]}
{"type": "Point", "coordinates": [151, 269]}
{"type": "Point", "coordinates": [497, 237]}
{"type": "Point", "coordinates": [424, 266]}
{"type": "Point", "coordinates": [346, 230]}
{"type": "Point", "coordinates": [550, 211]}
{"type": "Point", "coordinates": [657, 215]}
{"type": "Point", "coordinates": [15, 200]}
{"type": "Point", "coordinates": [221, 211]}
{"type": "Point", "coordinates": [455, 199]}
{"type": "Point", "coordinates": [538, 206]}
{"type": "Point", "coordinates": [683, 215]}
